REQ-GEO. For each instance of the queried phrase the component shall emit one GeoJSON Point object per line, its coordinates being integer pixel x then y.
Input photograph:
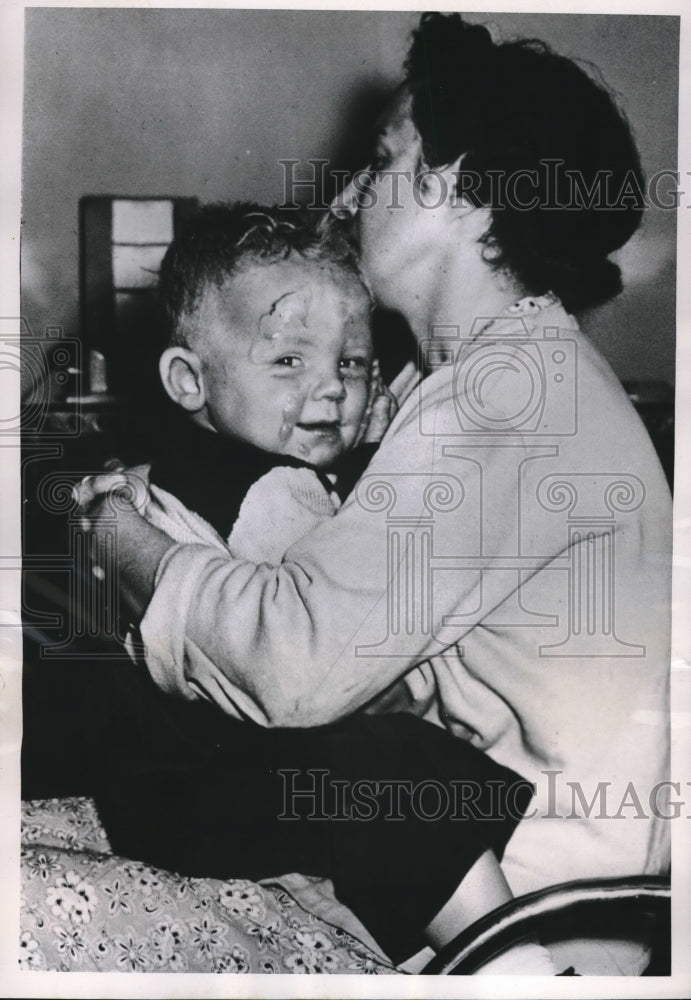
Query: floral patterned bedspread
{"type": "Point", "coordinates": [85, 909]}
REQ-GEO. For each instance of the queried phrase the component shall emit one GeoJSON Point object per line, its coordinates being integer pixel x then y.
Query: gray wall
{"type": "Point", "coordinates": [205, 103]}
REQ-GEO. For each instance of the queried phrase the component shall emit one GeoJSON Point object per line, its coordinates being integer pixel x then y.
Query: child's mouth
{"type": "Point", "coordinates": [321, 428]}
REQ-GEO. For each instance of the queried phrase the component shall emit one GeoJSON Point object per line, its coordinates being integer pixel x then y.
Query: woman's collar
{"type": "Point", "coordinates": [533, 304]}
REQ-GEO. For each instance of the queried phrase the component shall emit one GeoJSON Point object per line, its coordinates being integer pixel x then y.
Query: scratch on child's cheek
{"type": "Point", "coordinates": [291, 413]}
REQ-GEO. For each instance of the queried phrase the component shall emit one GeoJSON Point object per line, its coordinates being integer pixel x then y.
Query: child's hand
{"type": "Point", "coordinates": [384, 401]}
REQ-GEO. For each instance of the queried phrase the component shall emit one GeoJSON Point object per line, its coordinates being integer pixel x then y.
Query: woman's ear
{"type": "Point", "coordinates": [449, 190]}
{"type": "Point", "coordinates": [181, 374]}
{"type": "Point", "coordinates": [464, 203]}
{"type": "Point", "coordinates": [462, 185]}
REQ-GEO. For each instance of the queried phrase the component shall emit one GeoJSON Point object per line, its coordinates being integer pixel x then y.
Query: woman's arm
{"type": "Point", "coordinates": [140, 549]}
{"type": "Point", "coordinates": [350, 609]}
{"type": "Point", "coordinates": [271, 643]}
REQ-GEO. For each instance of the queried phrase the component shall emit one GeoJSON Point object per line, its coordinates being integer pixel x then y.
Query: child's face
{"type": "Point", "coordinates": [286, 351]}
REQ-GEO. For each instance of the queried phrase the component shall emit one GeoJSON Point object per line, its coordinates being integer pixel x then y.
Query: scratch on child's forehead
{"type": "Point", "coordinates": [287, 315]}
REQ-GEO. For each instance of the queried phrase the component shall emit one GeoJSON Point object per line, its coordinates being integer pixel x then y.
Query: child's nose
{"type": "Point", "coordinates": [330, 386]}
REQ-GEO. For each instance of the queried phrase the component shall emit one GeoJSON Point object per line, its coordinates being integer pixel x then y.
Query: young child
{"type": "Point", "coordinates": [270, 363]}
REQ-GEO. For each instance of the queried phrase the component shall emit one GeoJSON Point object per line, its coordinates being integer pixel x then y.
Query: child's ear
{"type": "Point", "coordinates": [181, 374]}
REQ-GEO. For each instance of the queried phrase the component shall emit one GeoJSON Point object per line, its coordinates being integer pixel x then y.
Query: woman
{"type": "Point", "coordinates": [503, 568]}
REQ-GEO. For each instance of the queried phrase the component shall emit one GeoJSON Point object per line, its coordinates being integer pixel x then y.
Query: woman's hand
{"type": "Point", "coordinates": [139, 546]}
{"type": "Point", "coordinates": [385, 401]}
{"type": "Point", "coordinates": [91, 491]}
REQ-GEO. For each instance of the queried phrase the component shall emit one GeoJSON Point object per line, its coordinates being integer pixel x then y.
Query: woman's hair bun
{"type": "Point", "coordinates": [511, 109]}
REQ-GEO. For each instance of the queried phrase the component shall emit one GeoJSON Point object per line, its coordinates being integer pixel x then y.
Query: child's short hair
{"type": "Point", "coordinates": [221, 240]}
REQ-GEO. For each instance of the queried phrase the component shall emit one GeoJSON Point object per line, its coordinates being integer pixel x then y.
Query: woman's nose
{"type": "Point", "coordinates": [345, 204]}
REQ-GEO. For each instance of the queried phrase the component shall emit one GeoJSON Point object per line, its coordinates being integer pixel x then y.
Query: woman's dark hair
{"type": "Point", "coordinates": [222, 239]}
{"type": "Point", "coordinates": [543, 145]}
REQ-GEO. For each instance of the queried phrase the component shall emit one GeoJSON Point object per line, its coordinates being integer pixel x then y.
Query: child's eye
{"type": "Point", "coordinates": [354, 367]}
{"type": "Point", "coordinates": [288, 361]}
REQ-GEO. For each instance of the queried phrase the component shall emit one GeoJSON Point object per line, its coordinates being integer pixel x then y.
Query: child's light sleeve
{"type": "Point", "coordinates": [278, 510]}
